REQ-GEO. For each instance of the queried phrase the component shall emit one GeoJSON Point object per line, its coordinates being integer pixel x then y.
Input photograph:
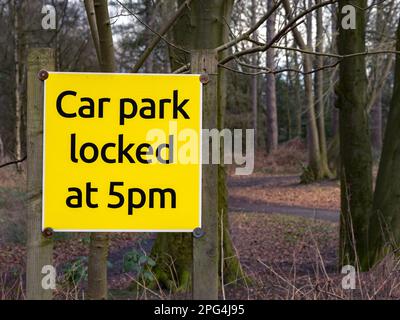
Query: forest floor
{"type": "Point", "coordinates": [285, 235]}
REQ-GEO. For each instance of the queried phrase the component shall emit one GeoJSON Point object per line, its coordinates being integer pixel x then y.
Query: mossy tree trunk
{"type": "Point", "coordinates": [384, 233]}
{"type": "Point", "coordinates": [204, 26]}
{"type": "Point", "coordinates": [355, 144]}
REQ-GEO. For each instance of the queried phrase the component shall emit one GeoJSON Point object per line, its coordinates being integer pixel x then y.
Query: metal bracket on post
{"type": "Point", "coordinates": [198, 233]}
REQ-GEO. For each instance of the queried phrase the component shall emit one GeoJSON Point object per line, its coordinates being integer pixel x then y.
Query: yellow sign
{"type": "Point", "coordinates": [122, 152]}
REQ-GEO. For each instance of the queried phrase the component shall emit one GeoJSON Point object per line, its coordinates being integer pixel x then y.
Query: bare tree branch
{"type": "Point", "coordinates": [288, 27]}
{"type": "Point", "coordinates": [149, 28]}
{"type": "Point", "coordinates": [338, 56]}
{"type": "Point", "coordinates": [246, 35]}
{"type": "Point", "coordinates": [182, 69]}
{"type": "Point", "coordinates": [13, 162]}
{"type": "Point", "coordinates": [269, 71]}
{"type": "Point", "coordinates": [158, 37]}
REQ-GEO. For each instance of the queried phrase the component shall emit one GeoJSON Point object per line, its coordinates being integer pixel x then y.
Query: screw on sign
{"type": "Point", "coordinates": [204, 78]}
{"type": "Point", "coordinates": [48, 232]}
{"type": "Point", "coordinates": [43, 75]}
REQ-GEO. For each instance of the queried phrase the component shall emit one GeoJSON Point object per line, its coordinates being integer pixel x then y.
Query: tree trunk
{"type": "Point", "coordinates": [197, 30]}
{"type": "Point", "coordinates": [1, 150]}
{"type": "Point", "coordinates": [335, 118]}
{"type": "Point", "coordinates": [378, 77]}
{"type": "Point", "coordinates": [315, 171]}
{"type": "Point", "coordinates": [98, 251]}
{"type": "Point", "coordinates": [335, 112]}
{"type": "Point", "coordinates": [254, 78]}
{"type": "Point", "coordinates": [376, 126]}
{"type": "Point", "coordinates": [149, 17]}
{"type": "Point", "coordinates": [271, 113]}
{"type": "Point", "coordinates": [319, 92]}
{"type": "Point", "coordinates": [18, 84]}
{"type": "Point", "coordinates": [355, 145]}
{"type": "Point", "coordinates": [333, 149]}
{"type": "Point", "coordinates": [254, 104]}
{"type": "Point", "coordinates": [297, 89]}
{"type": "Point", "coordinates": [91, 16]}
{"type": "Point", "coordinates": [384, 233]}
{"type": "Point", "coordinates": [107, 62]}
{"type": "Point", "coordinates": [231, 269]}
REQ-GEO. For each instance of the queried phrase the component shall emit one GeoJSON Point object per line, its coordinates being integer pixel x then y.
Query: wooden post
{"type": "Point", "coordinates": [205, 247]}
{"type": "Point", "coordinates": [40, 249]}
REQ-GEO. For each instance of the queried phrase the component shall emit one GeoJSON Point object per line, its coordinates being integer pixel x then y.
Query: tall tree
{"type": "Point", "coordinates": [204, 26]}
{"type": "Point", "coordinates": [270, 93]}
{"type": "Point", "coordinates": [17, 10]}
{"type": "Point", "coordinates": [333, 49]}
{"type": "Point", "coordinates": [376, 125]}
{"type": "Point", "coordinates": [384, 231]}
{"type": "Point", "coordinates": [319, 90]}
{"type": "Point", "coordinates": [98, 251]}
{"type": "Point", "coordinates": [355, 145]}
{"type": "Point", "coordinates": [254, 78]}
{"type": "Point", "coordinates": [297, 95]}
{"type": "Point", "coordinates": [316, 168]}
{"type": "Point", "coordinates": [381, 66]}
{"type": "Point", "coordinates": [231, 268]}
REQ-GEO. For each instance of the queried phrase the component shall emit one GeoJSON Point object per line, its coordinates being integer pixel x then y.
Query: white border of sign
{"type": "Point", "coordinates": [200, 156]}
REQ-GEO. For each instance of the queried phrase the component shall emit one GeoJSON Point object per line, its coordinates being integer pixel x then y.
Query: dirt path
{"type": "Point", "coordinates": [243, 203]}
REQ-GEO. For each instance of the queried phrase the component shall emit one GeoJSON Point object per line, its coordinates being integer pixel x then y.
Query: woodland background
{"type": "Point", "coordinates": [324, 104]}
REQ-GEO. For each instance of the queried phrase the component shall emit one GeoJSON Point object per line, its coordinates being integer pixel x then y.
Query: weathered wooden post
{"type": "Point", "coordinates": [40, 248]}
{"type": "Point", "coordinates": [205, 242]}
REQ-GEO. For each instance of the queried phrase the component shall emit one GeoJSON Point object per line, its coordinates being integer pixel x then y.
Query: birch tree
{"type": "Point", "coordinates": [270, 90]}
{"type": "Point", "coordinates": [17, 8]}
